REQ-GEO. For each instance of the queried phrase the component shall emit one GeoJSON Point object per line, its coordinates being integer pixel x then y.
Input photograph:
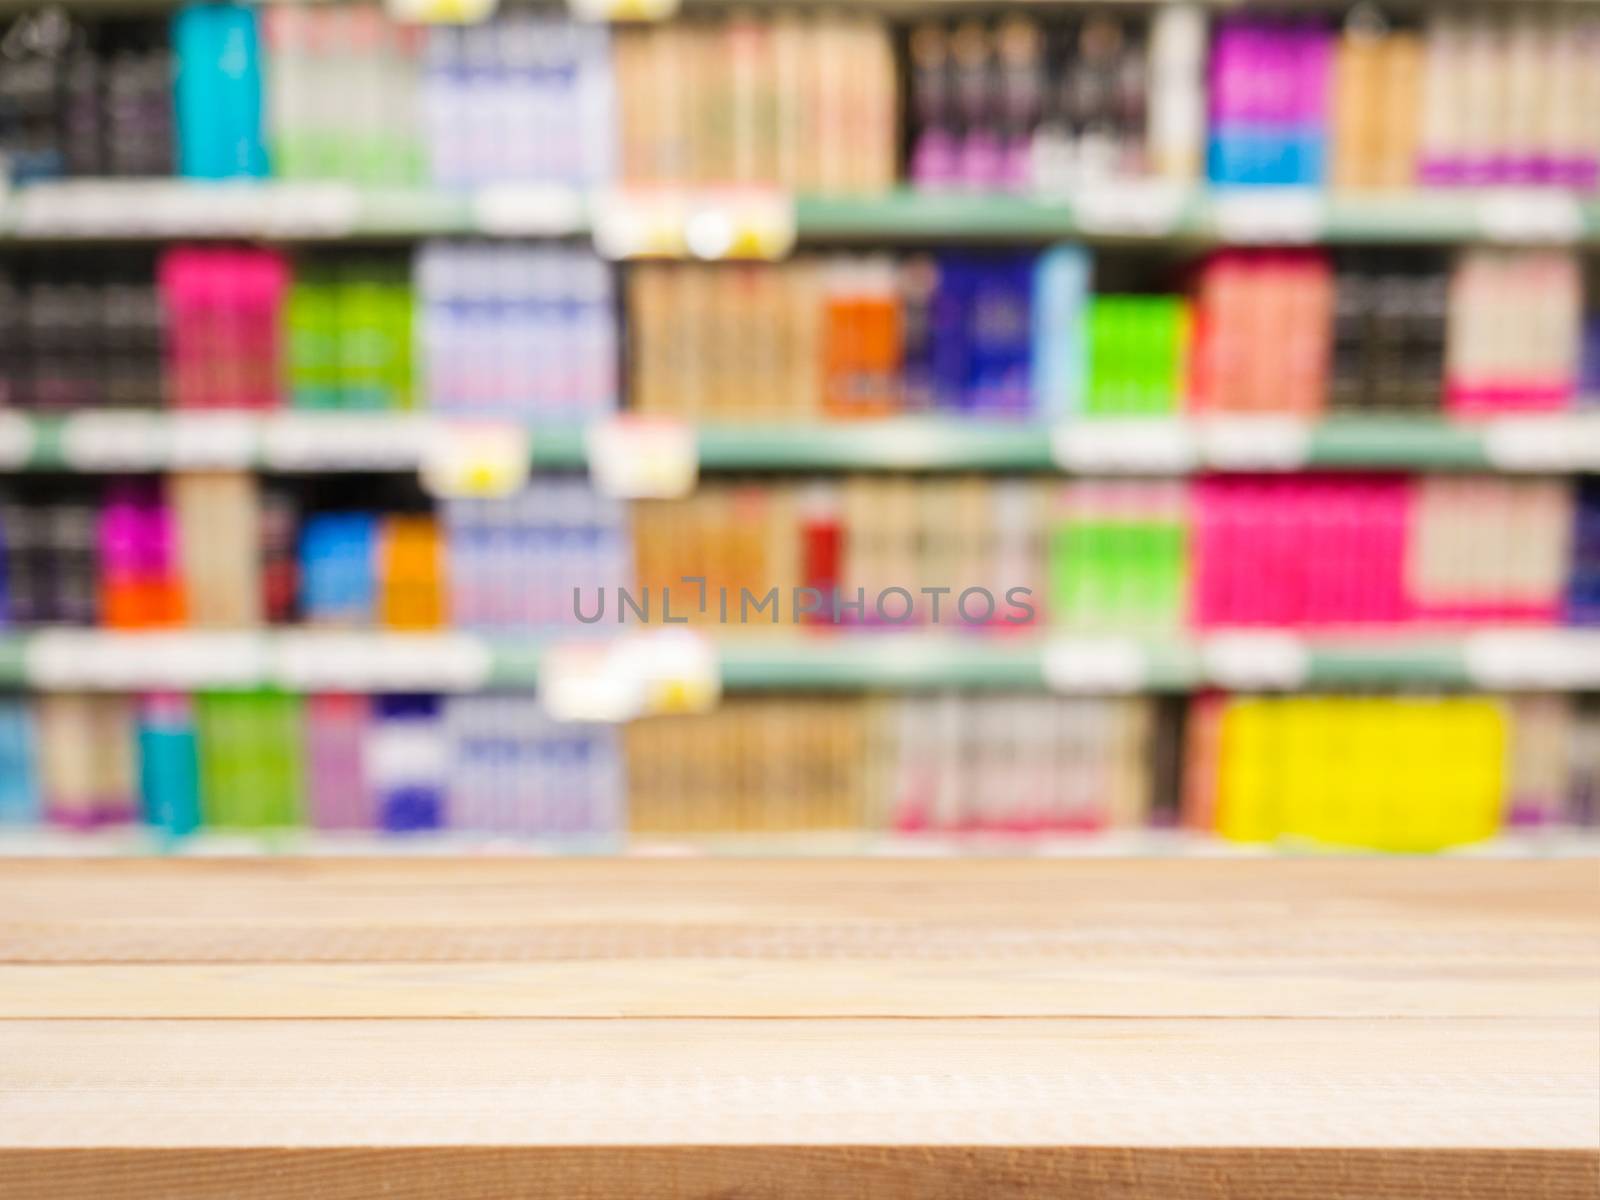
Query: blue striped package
{"type": "Point", "coordinates": [406, 762]}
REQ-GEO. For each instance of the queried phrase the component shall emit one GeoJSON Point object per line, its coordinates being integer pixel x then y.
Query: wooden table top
{"type": "Point", "coordinates": [603, 1029]}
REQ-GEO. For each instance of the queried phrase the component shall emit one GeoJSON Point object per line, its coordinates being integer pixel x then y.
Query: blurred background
{"type": "Point", "coordinates": [905, 427]}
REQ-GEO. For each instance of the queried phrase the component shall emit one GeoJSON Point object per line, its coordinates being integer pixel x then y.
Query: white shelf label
{"type": "Point", "coordinates": [342, 441]}
{"type": "Point", "coordinates": [639, 457]}
{"type": "Point", "coordinates": [1268, 661]}
{"type": "Point", "coordinates": [1135, 446]}
{"type": "Point", "coordinates": [640, 223]}
{"type": "Point", "coordinates": [1553, 442]}
{"type": "Point", "coordinates": [441, 12]}
{"type": "Point", "coordinates": [114, 441]}
{"type": "Point", "coordinates": [1530, 215]}
{"type": "Point", "coordinates": [680, 669]}
{"type": "Point", "coordinates": [308, 209]}
{"type": "Point", "coordinates": [1269, 215]}
{"type": "Point", "coordinates": [1104, 664]}
{"type": "Point", "coordinates": [334, 661]}
{"type": "Point", "coordinates": [640, 674]}
{"type": "Point", "coordinates": [16, 440]}
{"type": "Point", "coordinates": [1534, 658]}
{"type": "Point", "coordinates": [589, 681]}
{"type": "Point", "coordinates": [476, 459]}
{"type": "Point", "coordinates": [212, 440]}
{"type": "Point", "coordinates": [623, 10]}
{"type": "Point", "coordinates": [1131, 209]}
{"type": "Point", "coordinates": [527, 209]}
{"type": "Point", "coordinates": [104, 661]}
{"type": "Point", "coordinates": [756, 224]}
{"type": "Point", "coordinates": [1254, 443]}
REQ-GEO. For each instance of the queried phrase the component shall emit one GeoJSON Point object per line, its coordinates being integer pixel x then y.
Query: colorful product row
{"type": "Point", "coordinates": [810, 101]}
{"type": "Point", "coordinates": [1307, 552]}
{"type": "Point", "coordinates": [79, 100]}
{"type": "Point", "coordinates": [519, 329]}
{"type": "Point", "coordinates": [514, 329]}
{"type": "Point", "coordinates": [220, 550]}
{"type": "Point", "coordinates": [1479, 98]}
{"type": "Point", "coordinates": [1412, 773]}
{"type": "Point", "coordinates": [1026, 104]}
{"type": "Point", "coordinates": [1021, 335]}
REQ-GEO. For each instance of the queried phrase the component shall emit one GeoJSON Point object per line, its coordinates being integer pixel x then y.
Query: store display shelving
{"type": "Point", "coordinates": [162, 209]}
{"type": "Point", "coordinates": [302, 441]}
{"type": "Point", "coordinates": [1553, 659]}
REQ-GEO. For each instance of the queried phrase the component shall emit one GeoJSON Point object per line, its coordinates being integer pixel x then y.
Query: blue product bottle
{"type": "Point", "coordinates": [19, 793]}
{"type": "Point", "coordinates": [1060, 360]}
{"type": "Point", "coordinates": [218, 55]}
{"type": "Point", "coordinates": [169, 765]}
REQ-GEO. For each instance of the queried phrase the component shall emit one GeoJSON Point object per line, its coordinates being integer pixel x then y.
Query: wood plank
{"type": "Point", "coordinates": [689, 1029]}
{"type": "Point", "coordinates": [497, 910]}
{"type": "Point", "coordinates": [903, 983]}
{"type": "Point", "coordinates": [1387, 1083]}
{"type": "Point", "coordinates": [794, 1173]}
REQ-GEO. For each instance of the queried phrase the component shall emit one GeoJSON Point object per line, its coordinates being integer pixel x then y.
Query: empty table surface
{"type": "Point", "coordinates": [844, 1029]}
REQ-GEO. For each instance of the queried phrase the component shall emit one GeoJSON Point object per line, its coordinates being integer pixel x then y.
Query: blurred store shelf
{"type": "Point", "coordinates": [297, 441]}
{"type": "Point", "coordinates": [760, 223]}
{"type": "Point", "coordinates": [130, 840]}
{"type": "Point", "coordinates": [305, 660]}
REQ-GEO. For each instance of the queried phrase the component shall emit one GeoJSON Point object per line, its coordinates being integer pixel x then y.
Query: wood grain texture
{"type": "Point", "coordinates": [600, 1029]}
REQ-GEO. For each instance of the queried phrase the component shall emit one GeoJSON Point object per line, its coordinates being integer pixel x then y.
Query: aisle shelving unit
{"type": "Point", "coordinates": [900, 660]}
{"type": "Point", "coordinates": [160, 209]}
{"type": "Point", "coordinates": [1144, 844]}
{"type": "Point", "coordinates": [301, 441]}
{"type": "Point", "coordinates": [1147, 219]}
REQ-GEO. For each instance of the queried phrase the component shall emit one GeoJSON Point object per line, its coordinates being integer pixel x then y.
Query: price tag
{"type": "Point", "coordinates": [1094, 665]}
{"type": "Point", "coordinates": [1553, 442]}
{"type": "Point", "coordinates": [343, 441]}
{"type": "Point", "coordinates": [640, 223]}
{"type": "Point", "coordinates": [1530, 215]}
{"type": "Point", "coordinates": [101, 661]}
{"type": "Point", "coordinates": [63, 209]}
{"type": "Point", "coordinates": [212, 440]}
{"type": "Point", "coordinates": [308, 209]}
{"type": "Point", "coordinates": [1251, 661]}
{"type": "Point", "coordinates": [637, 458]}
{"type": "Point", "coordinates": [441, 12]}
{"type": "Point", "coordinates": [1534, 658]}
{"type": "Point", "coordinates": [1130, 209]}
{"type": "Point", "coordinates": [17, 440]}
{"type": "Point", "coordinates": [589, 681]}
{"type": "Point", "coordinates": [317, 660]}
{"type": "Point", "coordinates": [749, 225]}
{"type": "Point", "coordinates": [623, 10]}
{"type": "Point", "coordinates": [528, 210]}
{"type": "Point", "coordinates": [112, 441]}
{"type": "Point", "coordinates": [70, 659]}
{"type": "Point", "coordinates": [656, 672]}
{"type": "Point", "coordinates": [235, 209]}
{"type": "Point", "coordinates": [679, 669]}
{"type": "Point", "coordinates": [477, 459]}
{"type": "Point", "coordinates": [1134, 446]}
{"type": "Point", "coordinates": [1255, 443]}
{"type": "Point", "coordinates": [1269, 215]}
